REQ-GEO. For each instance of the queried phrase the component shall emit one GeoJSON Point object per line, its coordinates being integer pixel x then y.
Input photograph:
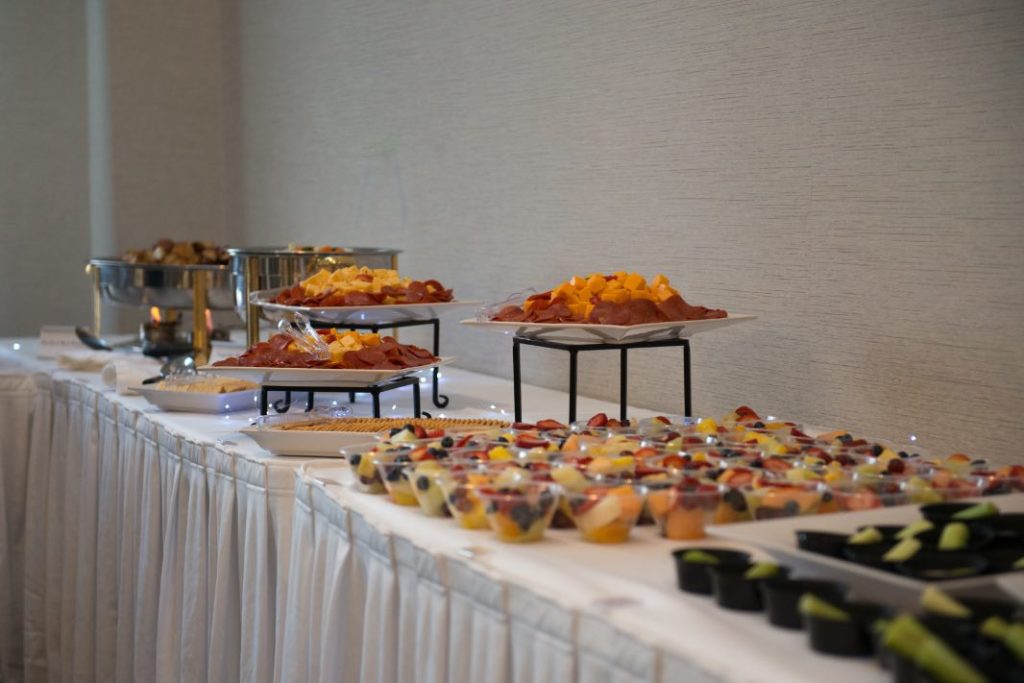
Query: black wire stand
{"type": "Point", "coordinates": [439, 399]}
{"type": "Point", "coordinates": [375, 390]}
{"type": "Point", "coordinates": [574, 350]}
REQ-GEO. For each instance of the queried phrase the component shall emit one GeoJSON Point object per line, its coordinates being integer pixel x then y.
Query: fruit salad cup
{"type": "Point", "coordinates": [427, 478]}
{"type": "Point", "coordinates": [682, 510]}
{"type": "Point", "coordinates": [520, 513]}
{"type": "Point", "coordinates": [396, 482]}
{"type": "Point", "coordinates": [859, 491]}
{"type": "Point", "coordinates": [460, 485]}
{"type": "Point", "coordinates": [606, 511]}
{"type": "Point", "coordinates": [774, 498]}
{"type": "Point", "coordinates": [363, 461]}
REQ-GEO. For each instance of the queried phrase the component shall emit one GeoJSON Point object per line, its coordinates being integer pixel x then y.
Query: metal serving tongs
{"type": "Point", "coordinates": [306, 338]}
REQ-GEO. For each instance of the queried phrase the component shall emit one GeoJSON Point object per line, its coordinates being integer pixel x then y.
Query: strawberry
{"type": "Point", "coordinates": [550, 425]}
{"type": "Point", "coordinates": [599, 420]}
{"type": "Point", "coordinates": [526, 441]}
{"type": "Point", "coordinates": [522, 426]}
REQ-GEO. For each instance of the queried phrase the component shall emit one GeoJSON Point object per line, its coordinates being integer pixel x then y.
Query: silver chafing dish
{"type": "Point", "coordinates": [195, 288]}
{"type": "Point", "coordinates": [256, 268]}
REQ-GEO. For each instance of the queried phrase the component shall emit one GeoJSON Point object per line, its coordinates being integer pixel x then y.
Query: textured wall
{"type": "Point", "coordinates": [44, 180]}
{"type": "Point", "coordinates": [851, 172]}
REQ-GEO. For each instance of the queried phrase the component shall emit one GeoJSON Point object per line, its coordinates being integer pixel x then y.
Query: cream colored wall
{"type": "Point", "coordinates": [850, 172]}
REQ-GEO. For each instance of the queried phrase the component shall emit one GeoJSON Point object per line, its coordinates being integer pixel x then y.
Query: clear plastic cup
{"type": "Point", "coordinates": [396, 482]}
{"type": "Point", "coordinates": [521, 514]}
{"type": "Point", "coordinates": [683, 510]}
{"type": "Point", "coordinates": [771, 499]}
{"type": "Point", "coordinates": [605, 512]}
{"type": "Point", "coordinates": [868, 492]}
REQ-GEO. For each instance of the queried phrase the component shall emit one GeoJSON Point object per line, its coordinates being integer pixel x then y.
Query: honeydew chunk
{"type": "Point", "coordinates": [914, 528]}
{"type": "Point", "coordinates": [811, 605]}
{"type": "Point", "coordinates": [762, 570]}
{"type": "Point", "coordinates": [939, 602]}
{"type": "Point", "coordinates": [569, 477]}
{"type": "Point", "coordinates": [699, 557]}
{"type": "Point", "coordinates": [909, 639]}
{"type": "Point", "coordinates": [995, 628]}
{"type": "Point", "coordinates": [954, 536]}
{"type": "Point", "coordinates": [511, 477]}
{"type": "Point", "coordinates": [979, 511]}
{"type": "Point", "coordinates": [606, 511]}
{"type": "Point", "coordinates": [865, 536]}
{"type": "Point", "coordinates": [902, 551]}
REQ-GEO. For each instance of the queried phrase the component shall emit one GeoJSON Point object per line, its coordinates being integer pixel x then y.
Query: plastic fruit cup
{"type": "Point", "coordinates": [521, 514]}
{"type": "Point", "coordinates": [460, 490]}
{"type": "Point", "coordinates": [605, 512]}
{"type": "Point", "coordinates": [774, 499]}
{"type": "Point", "coordinates": [425, 478]}
{"type": "Point", "coordinates": [393, 474]}
{"type": "Point", "coordinates": [682, 511]}
{"type": "Point", "coordinates": [869, 492]}
{"type": "Point", "coordinates": [363, 461]}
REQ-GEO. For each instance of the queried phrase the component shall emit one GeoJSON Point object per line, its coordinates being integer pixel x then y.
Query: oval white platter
{"type": "Point", "coordinates": [609, 334]}
{"type": "Point", "coordinates": [198, 402]}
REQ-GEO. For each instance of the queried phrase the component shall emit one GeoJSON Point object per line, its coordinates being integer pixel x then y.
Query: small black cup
{"type": "Point", "coordinates": [821, 542]}
{"type": "Point", "coordinates": [734, 591]}
{"type": "Point", "coordinates": [695, 577]}
{"type": "Point", "coordinates": [781, 596]}
{"type": "Point", "coordinates": [849, 638]}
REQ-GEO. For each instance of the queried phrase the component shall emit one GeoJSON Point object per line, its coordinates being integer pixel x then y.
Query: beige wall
{"type": "Point", "coordinates": [851, 172]}
{"type": "Point", "coordinates": [44, 180]}
{"type": "Point", "coordinates": [136, 87]}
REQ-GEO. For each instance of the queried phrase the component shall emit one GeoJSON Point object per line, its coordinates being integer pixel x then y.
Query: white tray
{"type": "Point", "coordinates": [356, 315]}
{"type": "Point", "coordinates": [778, 539]}
{"type": "Point", "coordinates": [309, 444]}
{"type": "Point", "coordinates": [609, 334]}
{"type": "Point", "coordinates": [318, 377]}
{"type": "Point", "coordinates": [197, 402]}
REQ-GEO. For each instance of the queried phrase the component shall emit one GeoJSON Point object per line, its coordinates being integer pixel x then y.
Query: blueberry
{"type": "Point", "coordinates": [403, 458]}
{"type": "Point", "coordinates": [756, 464]}
{"type": "Point", "coordinates": [736, 500]}
{"type": "Point", "coordinates": [355, 460]}
{"type": "Point", "coordinates": [845, 438]}
{"type": "Point", "coordinates": [712, 474]}
{"type": "Point", "coordinates": [877, 449]}
{"type": "Point", "coordinates": [395, 431]}
{"type": "Point", "coordinates": [759, 425]}
{"type": "Point", "coordinates": [522, 515]}
{"type": "Point", "coordinates": [903, 454]}
{"type": "Point", "coordinates": [791, 507]}
{"type": "Point", "coordinates": [502, 439]}
{"type": "Point", "coordinates": [826, 497]}
{"type": "Point", "coordinates": [447, 442]}
{"type": "Point", "coordinates": [394, 474]}
{"type": "Point", "coordinates": [423, 483]}
{"type": "Point", "coordinates": [408, 425]}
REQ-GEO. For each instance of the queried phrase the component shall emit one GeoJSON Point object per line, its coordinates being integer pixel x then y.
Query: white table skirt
{"type": "Point", "coordinates": [150, 546]}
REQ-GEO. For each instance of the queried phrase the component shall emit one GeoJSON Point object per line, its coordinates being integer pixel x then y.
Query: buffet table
{"type": "Point", "coordinates": [166, 546]}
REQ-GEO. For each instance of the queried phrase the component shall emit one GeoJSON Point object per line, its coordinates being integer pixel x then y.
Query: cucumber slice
{"type": "Point", "coordinates": [955, 536]}
{"type": "Point", "coordinates": [1019, 564]}
{"type": "Point", "coordinates": [979, 511]}
{"type": "Point", "coordinates": [1014, 639]}
{"type": "Point", "coordinates": [939, 602]}
{"type": "Point", "coordinates": [865, 536]}
{"type": "Point", "coordinates": [908, 638]}
{"type": "Point", "coordinates": [914, 528]}
{"type": "Point", "coordinates": [902, 551]}
{"type": "Point", "coordinates": [813, 606]}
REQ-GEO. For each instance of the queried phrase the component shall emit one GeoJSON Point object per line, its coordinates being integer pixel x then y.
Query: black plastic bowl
{"type": "Point", "coordinates": [1006, 525]}
{"type": "Point", "coordinates": [695, 577]}
{"type": "Point", "coordinates": [732, 590]}
{"type": "Point", "coordinates": [821, 542]}
{"type": "Point", "coordinates": [781, 596]}
{"type": "Point", "coordinates": [942, 566]}
{"type": "Point", "coordinates": [851, 638]}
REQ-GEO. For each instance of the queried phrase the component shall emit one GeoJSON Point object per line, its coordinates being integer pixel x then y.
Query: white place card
{"type": "Point", "coordinates": [57, 339]}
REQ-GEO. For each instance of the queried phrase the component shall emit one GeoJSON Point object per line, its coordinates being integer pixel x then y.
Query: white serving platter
{"type": "Point", "coordinates": [356, 315]}
{"type": "Point", "coordinates": [609, 334]}
{"type": "Point", "coordinates": [305, 443]}
{"type": "Point", "coordinates": [198, 402]}
{"type": "Point", "coordinates": [318, 377]}
{"type": "Point", "coordinates": [778, 539]}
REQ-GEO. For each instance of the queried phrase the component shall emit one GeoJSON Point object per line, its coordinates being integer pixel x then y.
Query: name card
{"type": "Point", "coordinates": [57, 339]}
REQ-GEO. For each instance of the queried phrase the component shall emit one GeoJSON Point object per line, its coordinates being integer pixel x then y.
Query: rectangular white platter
{"type": "Point", "coordinates": [586, 333]}
{"type": "Point", "coordinates": [357, 315]}
{"type": "Point", "coordinates": [197, 402]}
{"type": "Point", "coordinates": [306, 443]}
{"type": "Point", "coordinates": [778, 539]}
{"type": "Point", "coordinates": [318, 377]}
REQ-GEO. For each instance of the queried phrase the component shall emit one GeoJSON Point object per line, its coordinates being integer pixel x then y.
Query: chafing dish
{"type": "Point", "coordinates": [256, 268]}
{"type": "Point", "coordinates": [195, 288]}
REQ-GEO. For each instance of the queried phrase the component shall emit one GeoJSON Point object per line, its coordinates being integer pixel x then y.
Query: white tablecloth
{"type": "Point", "coordinates": [141, 545]}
